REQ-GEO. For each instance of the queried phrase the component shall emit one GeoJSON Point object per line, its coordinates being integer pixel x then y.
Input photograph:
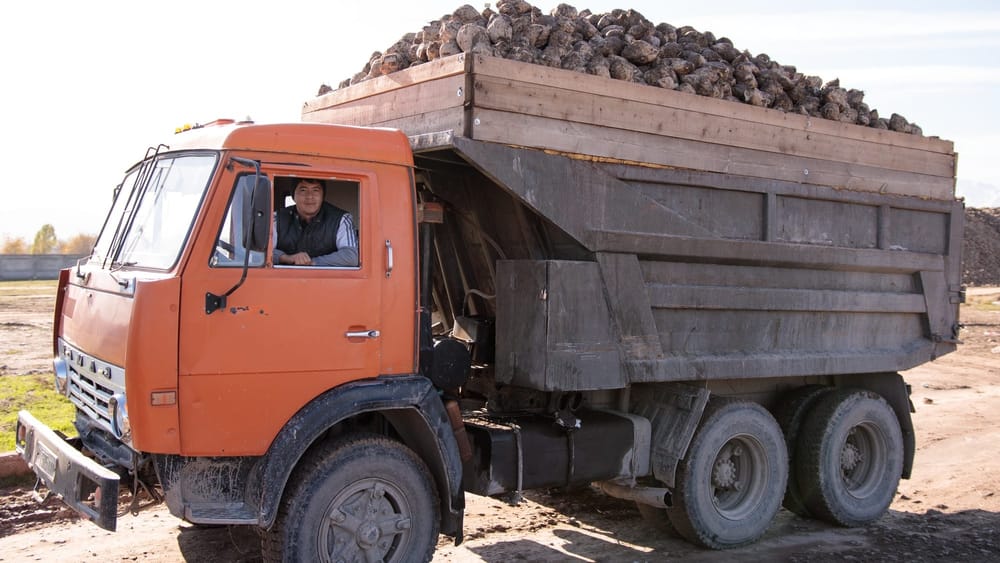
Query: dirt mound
{"type": "Point", "coordinates": [624, 45]}
{"type": "Point", "coordinates": [981, 247]}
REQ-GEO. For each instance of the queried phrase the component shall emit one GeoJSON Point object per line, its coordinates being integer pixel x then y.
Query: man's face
{"type": "Point", "coordinates": [308, 198]}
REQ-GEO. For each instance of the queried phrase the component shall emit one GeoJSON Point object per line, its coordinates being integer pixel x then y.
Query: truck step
{"type": "Point", "coordinates": [221, 513]}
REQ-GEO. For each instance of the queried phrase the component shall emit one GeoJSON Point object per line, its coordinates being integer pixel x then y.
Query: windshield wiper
{"type": "Point", "coordinates": [131, 207]}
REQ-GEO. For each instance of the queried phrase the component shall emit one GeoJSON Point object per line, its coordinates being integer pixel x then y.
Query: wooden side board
{"type": "Point", "coordinates": [568, 80]}
{"type": "Point", "coordinates": [434, 70]}
{"type": "Point", "coordinates": [521, 104]}
{"type": "Point", "coordinates": [581, 138]}
{"type": "Point", "coordinates": [399, 105]}
{"type": "Point", "coordinates": [628, 114]}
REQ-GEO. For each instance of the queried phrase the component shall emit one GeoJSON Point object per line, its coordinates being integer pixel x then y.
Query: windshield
{"type": "Point", "coordinates": [153, 211]}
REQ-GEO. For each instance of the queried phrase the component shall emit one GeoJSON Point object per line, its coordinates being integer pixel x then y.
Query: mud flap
{"type": "Point", "coordinates": [83, 484]}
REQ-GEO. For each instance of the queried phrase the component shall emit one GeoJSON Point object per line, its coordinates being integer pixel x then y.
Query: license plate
{"type": "Point", "coordinates": [45, 461]}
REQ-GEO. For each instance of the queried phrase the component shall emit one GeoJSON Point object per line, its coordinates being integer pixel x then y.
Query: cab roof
{"type": "Point", "coordinates": [317, 139]}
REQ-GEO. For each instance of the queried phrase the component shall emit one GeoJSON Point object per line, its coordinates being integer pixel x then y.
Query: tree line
{"type": "Point", "coordinates": [46, 242]}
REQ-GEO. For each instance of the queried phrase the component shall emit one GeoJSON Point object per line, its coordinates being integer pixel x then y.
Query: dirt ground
{"type": "Point", "coordinates": [26, 327]}
{"type": "Point", "coordinates": [948, 511]}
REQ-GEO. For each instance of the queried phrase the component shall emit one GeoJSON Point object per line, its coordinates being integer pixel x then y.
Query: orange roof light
{"type": "Point", "coordinates": [214, 123]}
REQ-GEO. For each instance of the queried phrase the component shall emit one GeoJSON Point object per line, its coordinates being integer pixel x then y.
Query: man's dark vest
{"type": "Point", "coordinates": [317, 237]}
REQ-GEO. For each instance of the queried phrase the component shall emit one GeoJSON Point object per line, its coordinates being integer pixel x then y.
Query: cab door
{"type": "Point", "coordinates": [286, 334]}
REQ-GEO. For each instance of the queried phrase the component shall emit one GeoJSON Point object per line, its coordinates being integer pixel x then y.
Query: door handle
{"type": "Point", "coordinates": [388, 258]}
{"type": "Point", "coordinates": [362, 334]}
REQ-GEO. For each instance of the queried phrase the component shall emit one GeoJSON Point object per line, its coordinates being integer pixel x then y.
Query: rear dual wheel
{"type": "Point", "coordinates": [849, 456]}
{"type": "Point", "coordinates": [847, 449]}
{"type": "Point", "coordinates": [791, 414]}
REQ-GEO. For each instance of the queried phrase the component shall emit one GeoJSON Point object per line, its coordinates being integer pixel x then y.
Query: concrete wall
{"type": "Point", "coordinates": [34, 266]}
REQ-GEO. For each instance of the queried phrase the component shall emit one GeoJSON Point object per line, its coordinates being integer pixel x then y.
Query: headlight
{"type": "Point", "coordinates": [62, 375]}
{"type": "Point", "coordinates": [119, 417]}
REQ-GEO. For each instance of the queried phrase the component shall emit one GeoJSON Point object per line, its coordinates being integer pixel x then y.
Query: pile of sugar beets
{"type": "Point", "coordinates": [624, 45]}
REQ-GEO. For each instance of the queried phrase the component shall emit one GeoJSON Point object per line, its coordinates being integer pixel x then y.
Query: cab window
{"type": "Point", "coordinates": [230, 252]}
{"type": "Point", "coordinates": [316, 223]}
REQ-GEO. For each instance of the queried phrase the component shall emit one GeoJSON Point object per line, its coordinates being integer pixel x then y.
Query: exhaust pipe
{"type": "Point", "coordinates": [653, 496]}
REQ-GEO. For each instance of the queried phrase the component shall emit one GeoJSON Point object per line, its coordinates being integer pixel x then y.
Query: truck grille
{"type": "Point", "coordinates": [92, 382]}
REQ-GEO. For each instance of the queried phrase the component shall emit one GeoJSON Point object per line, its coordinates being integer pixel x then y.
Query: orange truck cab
{"type": "Point", "coordinates": [192, 355]}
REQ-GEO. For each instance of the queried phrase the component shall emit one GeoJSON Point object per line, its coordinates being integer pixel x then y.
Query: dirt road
{"type": "Point", "coordinates": [948, 511]}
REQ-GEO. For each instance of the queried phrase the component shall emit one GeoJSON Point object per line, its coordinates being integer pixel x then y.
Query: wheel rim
{"type": "Point", "coordinates": [367, 521]}
{"type": "Point", "coordinates": [862, 457]}
{"type": "Point", "coordinates": [739, 477]}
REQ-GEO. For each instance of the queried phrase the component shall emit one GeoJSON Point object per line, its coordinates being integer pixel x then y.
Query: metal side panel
{"type": "Point", "coordinates": [554, 329]}
{"type": "Point", "coordinates": [674, 411]}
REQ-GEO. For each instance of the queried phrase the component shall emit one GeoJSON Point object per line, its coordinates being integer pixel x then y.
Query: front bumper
{"type": "Point", "coordinates": [83, 484]}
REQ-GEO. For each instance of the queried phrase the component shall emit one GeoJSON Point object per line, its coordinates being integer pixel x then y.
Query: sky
{"type": "Point", "coordinates": [85, 87]}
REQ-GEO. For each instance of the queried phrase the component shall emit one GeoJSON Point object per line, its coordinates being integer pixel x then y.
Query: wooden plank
{"type": "Point", "coordinates": [763, 253]}
{"type": "Point", "coordinates": [433, 122]}
{"type": "Point", "coordinates": [505, 94]}
{"type": "Point", "coordinates": [542, 75]}
{"type": "Point", "coordinates": [665, 296]}
{"type": "Point", "coordinates": [584, 139]}
{"type": "Point", "coordinates": [434, 70]}
{"type": "Point", "coordinates": [393, 105]}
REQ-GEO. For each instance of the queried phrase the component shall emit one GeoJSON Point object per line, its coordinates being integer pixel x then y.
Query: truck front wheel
{"type": "Point", "coordinates": [850, 457]}
{"type": "Point", "coordinates": [732, 479]}
{"type": "Point", "coordinates": [363, 498]}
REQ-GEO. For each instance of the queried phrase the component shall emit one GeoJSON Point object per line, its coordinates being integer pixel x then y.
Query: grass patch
{"type": "Point", "coordinates": [37, 394]}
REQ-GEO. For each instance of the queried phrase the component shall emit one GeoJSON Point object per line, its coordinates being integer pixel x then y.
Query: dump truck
{"type": "Point", "coordinates": [562, 280]}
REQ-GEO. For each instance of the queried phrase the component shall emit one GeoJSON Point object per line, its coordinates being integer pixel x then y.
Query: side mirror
{"type": "Point", "coordinates": [257, 215]}
{"type": "Point", "coordinates": [254, 196]}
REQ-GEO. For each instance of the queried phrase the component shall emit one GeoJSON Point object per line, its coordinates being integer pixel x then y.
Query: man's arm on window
{"type": "Point", "coordinates": [347, 246]}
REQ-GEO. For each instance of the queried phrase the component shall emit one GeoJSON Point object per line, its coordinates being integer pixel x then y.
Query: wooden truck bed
{"type": "Point", "coordinates": [675, 237]}
{"type": "Point", "coordinates": [521, 104]}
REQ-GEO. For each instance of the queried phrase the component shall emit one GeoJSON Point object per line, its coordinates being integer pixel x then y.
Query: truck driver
{"type": "Point", "coordinates": [313, 232]}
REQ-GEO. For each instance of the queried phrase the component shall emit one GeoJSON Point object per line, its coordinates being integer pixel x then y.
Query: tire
{"type": "Point", "coordinates": [363, 498]}
{"type": "Point", "coordinates": [791, 414]}
{"type": "Point", "coordinates": [851, 458]}
{"type": "Point", "coordinates": [737, 443]}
